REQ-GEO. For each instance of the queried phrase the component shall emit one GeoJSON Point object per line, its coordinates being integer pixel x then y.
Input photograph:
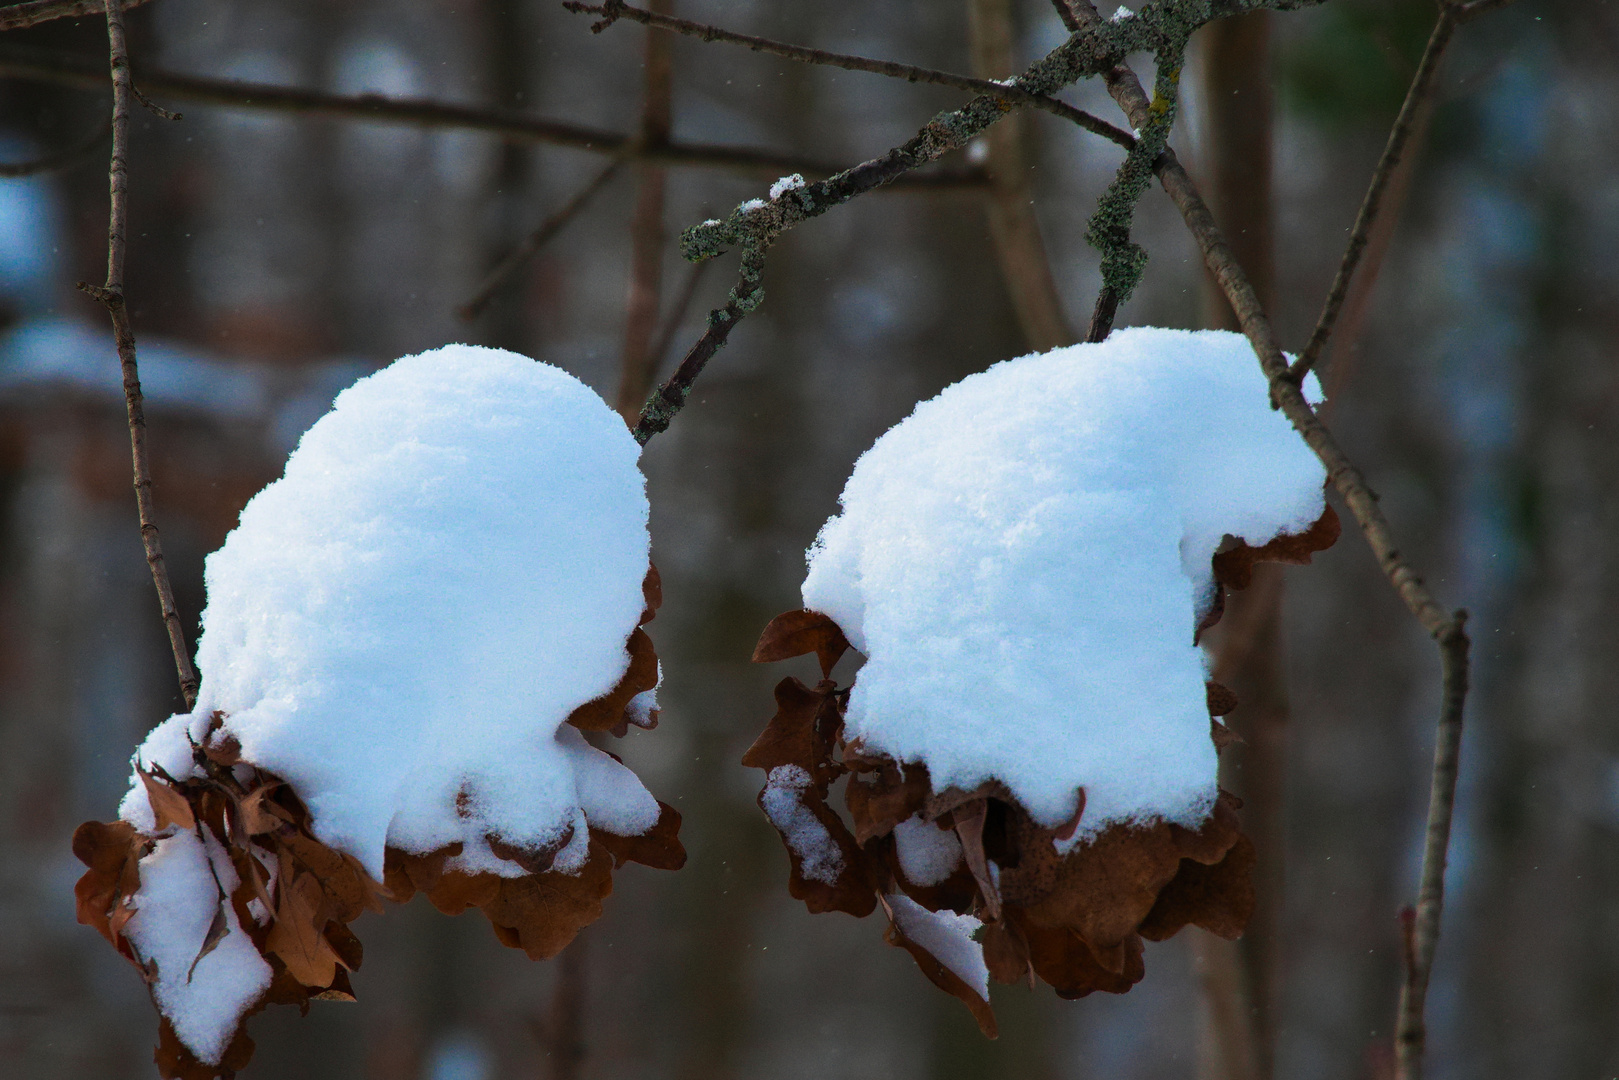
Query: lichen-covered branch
{"type": "Point", "coordinates": [111, 296]}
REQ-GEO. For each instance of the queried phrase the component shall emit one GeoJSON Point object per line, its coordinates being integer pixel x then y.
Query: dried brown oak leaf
{"type": "Point", "coordinates": [1073, 919]}
{"type": "Point", "coordinates": [296, 896]}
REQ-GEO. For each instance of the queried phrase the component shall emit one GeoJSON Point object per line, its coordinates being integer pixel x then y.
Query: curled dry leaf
{"type": "Point", "coordinates": [296, 896]}
{"type": "Point", "coordinates": [1071, 915]}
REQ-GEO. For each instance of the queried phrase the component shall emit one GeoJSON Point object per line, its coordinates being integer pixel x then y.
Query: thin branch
{"type": "Point", "coordinates": [1399, 135]}
{"type": "Point", "coordinates": [613, 10]}
{"type": "Point", "coordinates": [68, 69]}
{"type": "Point", "coordinates": [111, 296]}
{"type": "Point", "coordinates": [21, 16]}
{"type": "Point", "coordinates": [1410, 1034]}
{"type": "Point", "coordinates": [535, 240]}
{"type": "Point", "coordinates": [58, 158]}
{"type": "Point", "coordinates": [671, 397]}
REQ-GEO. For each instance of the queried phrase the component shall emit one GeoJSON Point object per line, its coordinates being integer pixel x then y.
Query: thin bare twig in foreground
{"type": "Point", "coordinates": [534, 241]}
{"type": "Point", "coordinates": [68, 69]}
{"type": "Point", "coordinates": [21, 16]}
{"type": "Point", "coordinates": [613, 10]}
{"type": "Point", "coordinates": [57, 159]}
{"type": "Point", "coordinates": [111, 296]}
{"type": "Point", "coordinates": [1410, 1032]}
{"type": "Point", "coordinates": [1399, 136]}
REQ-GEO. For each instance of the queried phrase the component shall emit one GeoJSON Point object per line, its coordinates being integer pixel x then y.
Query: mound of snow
{"type": "Point", "coordinates": [1021, 560]}
{"type": "Point", "coordinates": [401, 624]}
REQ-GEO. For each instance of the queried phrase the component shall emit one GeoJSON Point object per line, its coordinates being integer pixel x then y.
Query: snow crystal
{"type": "Point", "coordinates": [450, 565]}
{"type": "Point", "coordinates": [1020, 561]}
{"type": "Point", "coordinates": [818, 856]}
{"type": "Point", "coordinates": [1120, 15]}
{"type": "Point", "coordinates": [927, 853]}
{"type": "Point", "coordinates": [752, 204]}
{"type": "Point", "coordinates": [174, 908]}
{"type": "Point", "coordinates": [786, 184]}
{"type": "Point", "coordinates": [948, 936]}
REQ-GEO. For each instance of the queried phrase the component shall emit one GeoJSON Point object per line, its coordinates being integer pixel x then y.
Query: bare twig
{"type": "Point", "coordinates": [68, 69]}
{"type": "Point", "coordinates": [565, 1031]}
{"type": "Point", "coordinates": [1013, 226]}
{"type": "Point", "coordinates": [1410, 1032]}
{"type": "Point", "coordinates": [20, 16]}
{"type": "Point", "coordinates": [58, 158]}
{"type": "Point", "coordinates": [534, 241]}
{"type": "Point", "coordinates": [111, 296]}
{"type": "Point", "coordinates": [671, 397]}
{"type": "Point", "coordinates": [613, 10]}
{"type": "Point", "coordinates": [636, 369]}
{"type": "Point", "coordinates": [1399, 136]}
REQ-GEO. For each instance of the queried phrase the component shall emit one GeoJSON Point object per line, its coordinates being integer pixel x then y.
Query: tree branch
{"type": "Point", "coordinates": [1410, 1033]}
{"type": "Point", "coordinates": [613, 10]}
{"type": "Point", "coordinates": [68, 69]}
{"type": "Point", "coordinates": [111, 296]}
{"type": "Point", "coordinates": [535, 240]}
{"type": "Point", "coordinates": [1399, 135]}
{"type": "Point", "coordinates": [21, 16]}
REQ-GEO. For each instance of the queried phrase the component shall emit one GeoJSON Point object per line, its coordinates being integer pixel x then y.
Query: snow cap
{"type": "Point", "coordinates": [401, 624]}
{"type": "Point", "coordinates": [1021, 559]}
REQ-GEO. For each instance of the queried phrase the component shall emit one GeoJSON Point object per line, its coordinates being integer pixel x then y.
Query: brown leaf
{"type": "Point", "coordinates": [794, 633]}
{"type": "Point", "coordinates": [1219, 898]}
{"type": "Point", "coordinates": [169, 807]}
{"type": "Point", "coordinates": [544, 912]}
{"type": "Point", "coordinates": [970, 817]}
{"type": "Point", "coordinates": [609, 711]}
{"type": "Point", "coordinates": [659, 847]}
{"type": "Point", "coordinates": [1006, 953]}
{"type": "Point", "coordinates": [298, 936]}
{"type": "Point", "coordinates": [882, 798]}
{"type": "Point", "coordinates": [112, 851]}
{"type": "Point", "coordinates": [455, 891]}
{"type": "Point", "coordinates": [345, 946]}
{"type": "Point", "coordinates": [259, 813]}
{"type": "Point", "coordinates": [800, 733]}
{"type": "Point", "coordinates": [1064, 960]}
{"type": "Point", "coordinates": [217, 929]}
{"type": "Point", "coordinates": [349, 889]}
{"type": "Point", "coordinates": [1234, 568]}
{"type": "Point", "coordinates": [223, 750]}
{"type": "Point", "coordinates": [1221, 735]}
{"type": "Point", "coordinates": [1220, 699]}
{"type": "Point", "coordinates": [536, 860]}
{"type": "Point", "coordinates": [944, 979]}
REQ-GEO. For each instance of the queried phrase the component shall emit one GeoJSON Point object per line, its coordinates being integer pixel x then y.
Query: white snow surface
{"type": "Point", "coordinates": [947, 936]}
{"type": "Point", "coordinates": [819, 858]}
{"type": "Point", "coordinates": [786, 184]}
{"type": "Point", "coordinates": [450, 565]}
{"type": "Point", "coordinates": [927, 853]}
{"type": "Point", "coordinates": [1020, 561]}
{"type": "Point", "coordinates": [175, 906]}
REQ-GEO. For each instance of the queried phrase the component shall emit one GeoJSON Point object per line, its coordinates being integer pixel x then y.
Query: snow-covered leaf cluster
{"type": "Point", "coordinates": [405, 641]}
{"type": "Point", "coordinates": [1025, 563]}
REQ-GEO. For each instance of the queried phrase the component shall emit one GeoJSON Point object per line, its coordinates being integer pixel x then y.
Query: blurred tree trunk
{"type": "Point", "coordinates": [639, 368]}
{"type": "Point", "coordinates": [1240, 979]}
{"type": "Point", "coordinates": [1010, 206]}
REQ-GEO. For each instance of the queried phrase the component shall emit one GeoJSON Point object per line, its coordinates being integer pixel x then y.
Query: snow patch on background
{"type": "Point", "coordinates": [1021, 558]}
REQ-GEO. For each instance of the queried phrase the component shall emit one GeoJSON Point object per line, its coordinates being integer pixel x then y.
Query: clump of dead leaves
{"type": "Point", "coordinates": [297, 896]}
{"type": "Point", "coordinates": [1077, 921]}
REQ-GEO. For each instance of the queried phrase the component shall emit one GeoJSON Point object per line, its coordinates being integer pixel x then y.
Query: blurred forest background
{"type": "Point", "coordinates": [275, 258]}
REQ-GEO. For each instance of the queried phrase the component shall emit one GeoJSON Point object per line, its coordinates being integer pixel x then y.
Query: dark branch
{"type": "Point", "coordinates": [68, 69]}
{"type": "Point", "coordinates": [535, 240]}
{"type": "Point", "coordinates": [21, 16]}
{"type": "Point", "coordinates": [58, 158]}
{"type": "Point", "coordinates": [613, 10]}
{"type": "Point", "coordinates": [1399, 135]}
{"type": "Point", "coordinates": [111, 296]}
